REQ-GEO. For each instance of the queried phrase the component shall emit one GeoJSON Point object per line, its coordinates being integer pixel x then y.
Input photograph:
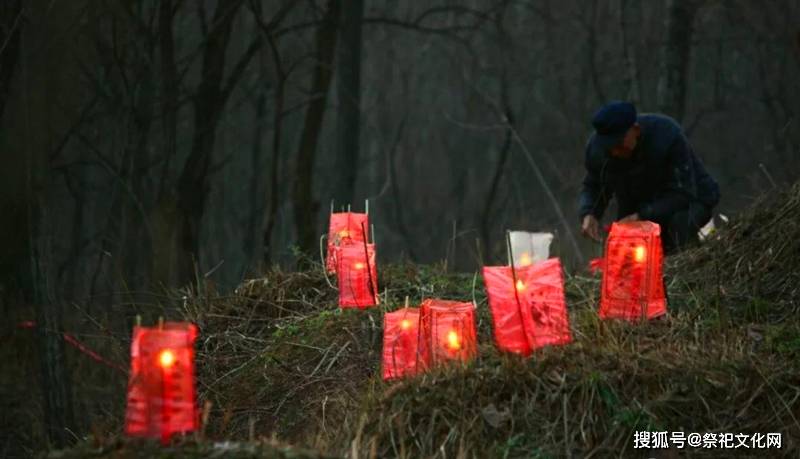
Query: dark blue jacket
{"type": "Point", "coordinates": [662, 176]}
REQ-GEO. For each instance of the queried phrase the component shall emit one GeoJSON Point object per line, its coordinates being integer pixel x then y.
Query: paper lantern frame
{"type": "Point", "coordinates": [544, 315]}
{"type": "Point", "coordinates": [357, 275]}
{"type": "Point", "coordinates": [344, 228]}
{"type": "Point", "coordinates": [161, 397]}
{"type": "Point", "coordinates": [401, 343]}
{"type": "Point", "coordinates": [447, 332]}
{"type": "Point", "coordinates": [632, 286]}
{"type": "Point", "coordinates": [528, 306]}
{"type": "Point", "coordinates": [504, 305]}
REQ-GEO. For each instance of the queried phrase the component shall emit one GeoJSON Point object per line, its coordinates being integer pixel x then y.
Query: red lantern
{"type": "Point", "coordinates": [544, 310]}
{"type": "Point", "coordinates": [161, 390]}
{"type": "Point", "coordinates": [633, 279]}
{"type": "Point", "coordinates": [509, 334]}
{"type": "Point", "coordinates": [344, 228]}
{"type": "Point", "coordinates": [357, 275]}
{"type": "Point", "coordinates": [447, 332]}
{"type": "Point", "coordinates": [531, 312]}
{"type": "Point", "coordinates": [400, 341]}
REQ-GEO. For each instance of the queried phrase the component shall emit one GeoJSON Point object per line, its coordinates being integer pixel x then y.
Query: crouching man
{"type": "Point", "coordinates": [646, 162]}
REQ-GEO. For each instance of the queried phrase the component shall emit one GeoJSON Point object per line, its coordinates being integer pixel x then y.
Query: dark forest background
{"type": "Point", "coordinates": [148, 144]}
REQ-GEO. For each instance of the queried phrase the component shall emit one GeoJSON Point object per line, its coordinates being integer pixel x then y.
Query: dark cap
{"type": "Point", "coordinates": [611, 123]}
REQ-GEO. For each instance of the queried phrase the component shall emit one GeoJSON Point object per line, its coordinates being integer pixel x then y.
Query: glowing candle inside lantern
{"type": "Point", "coordinates": [639, 253]}
{"type": "Point", "coordinates": [452, 340]}
{"type": "Point", "coordinates": [405, 324]}
{"type": "Point", "coordinates": [520, 285]}
{"type": "Point", "coordinates": [166, 358]}
{"type": "Point", "coordinates": [525, 259]}
{"type": "Point", "coordinates": [358, 265]}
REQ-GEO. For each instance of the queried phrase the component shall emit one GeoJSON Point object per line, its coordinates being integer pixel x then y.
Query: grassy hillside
{"type": "Point", "coordinates": [279, 360]}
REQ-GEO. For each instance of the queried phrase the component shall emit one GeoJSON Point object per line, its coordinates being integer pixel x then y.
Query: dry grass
{"type": "Point", "coordinates": [725, 360]}
{"type": "Point", "coordinates": [278, 358]}
{"type": "Point", "coordinates": [755, 259]}
{"type": "Point", "coordinates": [264, 449]}
{"type": "Point", "coordinates": [588, 398]}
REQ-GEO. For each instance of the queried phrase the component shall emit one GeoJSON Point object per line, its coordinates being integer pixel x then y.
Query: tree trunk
{"type": "Point", "coordinates": [56, 386]}
{"type": "Point", "coordinates": [348, 89]}
{"type": "Point", "coordinates": [272, 193]}
{"type": "Point", "coordinates": [250, 244]}
{"type": "Point", "coordinates": [44, 83]}
{"type": "Point", "coordinates": [305, 207]}
{"type": "Point", "coordinates": [169, 81]}
{"type": "Point", "coordinates": [272, 199]}
{"type": "Point", "coordinates": [675, 57]}
{"type": "Point", "coordinates": [631, 76]}
{"type": "Point", "coordinates": [486, 215]}
{"type": "Point", "coordinates": [164, 213]}
{"type": "Point", "coordinates": [399, 203]}
{"type": "Point", "coordinates": [193, 184]}
{"type": "Point", "coordinates": [11, 21]}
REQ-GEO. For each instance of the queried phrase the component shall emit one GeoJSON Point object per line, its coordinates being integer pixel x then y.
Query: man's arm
{"type": "Point", "coordinates": [680, 187]}
{"type": "Point", "coordinates": [594, 195]}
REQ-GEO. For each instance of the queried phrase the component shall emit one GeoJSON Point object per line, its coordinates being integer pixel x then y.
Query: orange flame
{"type": "Point", "coordinates": [405, 324]}
{"type": "Point", "coordinates": [525, 259]}
{"type": "Point", "coordinates": [166, 358]}
{"type": "Point", "coordinates": [520, 285]}
{"type": "Point", "coordinates": [453, 342]}
{"type": "Point", "coordinates": [639, 253]}
{"type": "Point", "coordinates": [344, 234]}
{"type": "Point", "coordinates": [358, 265]}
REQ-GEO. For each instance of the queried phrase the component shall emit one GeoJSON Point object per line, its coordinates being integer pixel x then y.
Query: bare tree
{"type": "Point", "coordinates": [502, 163]}
{"type": "Point", "coordinates": [14, 231]}
{"type": "Point", "coordinates": [348, 89]}
{"type": "Point", "coordinates": [631, 76]}
{"type": "Point", "coordinates": [305, 206]}
{"type": "Point", "coordinates": [675, 57]}
{"type": "Point", "coordinates": [11, 20]}
{"type": "Point", "coordinates": [269, 31]}
{"type": "Point", "coordinates": [44, 118]}
{"type": "Point", "coordinates": [209, 103]}
{"type": "Point", "coordinates": [56, 388]}
{"type": "Point", "coordinates": [277, 132]}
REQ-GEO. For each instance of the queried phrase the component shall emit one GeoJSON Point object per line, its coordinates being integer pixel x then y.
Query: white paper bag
{"type": "Point", "coordinates": [529, 248]}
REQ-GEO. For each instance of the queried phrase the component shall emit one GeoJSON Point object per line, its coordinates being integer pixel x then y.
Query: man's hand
{"type": "Point", "coordinates": [591, 228]}
{"type": "Point", "coordinates": [630, 218]}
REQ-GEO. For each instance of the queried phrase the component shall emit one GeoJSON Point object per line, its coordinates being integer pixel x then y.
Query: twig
{"type": "Point", "coordinates": [335, 357]}
{"type": "Point", "coordinates": [785, 405]}
{"type": "Point", "coordinates": [321, 360]}
{"type": "Point", "coordinates": [769, 176]}
{"type": "Point", "coordinates": [324, 263]}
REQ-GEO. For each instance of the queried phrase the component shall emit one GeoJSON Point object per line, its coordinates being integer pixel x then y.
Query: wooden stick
{"type": "Point", "coordinates": [369, 268]}
{"type": "Point", "coordinates": [366, 206]}
{"type": "Point", "coordinates": [513, 272]}
{"type": "Point", "coordinates": [508, 248]}
{"type": "Point", "coordinates": [644, 306]}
